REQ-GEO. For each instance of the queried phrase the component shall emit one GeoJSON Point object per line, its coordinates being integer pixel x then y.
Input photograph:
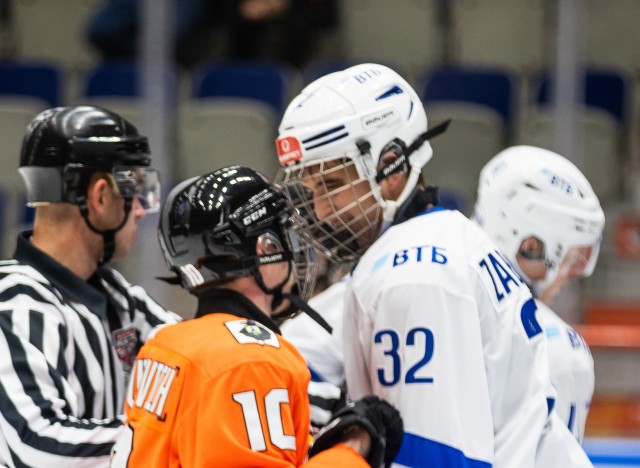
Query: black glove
{"type": "Point", "coordinates": [381, 420]}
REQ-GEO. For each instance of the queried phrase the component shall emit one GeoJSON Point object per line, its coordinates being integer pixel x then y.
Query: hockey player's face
{"type": "Point", "coordinates": [126, 236]}
{"type": "Point", "coordinates": [531, 259]}
{"type": "Point", "coordinates": [343, 200]}
{"type": "Point", "coordinates": [532, 262]}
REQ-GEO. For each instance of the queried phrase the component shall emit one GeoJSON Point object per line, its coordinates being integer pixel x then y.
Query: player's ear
{"type": "Point", "coordinates": [99, 194]}
{"type": "Point", "coordinates": [531, 248]}
{"type": "Point", "coordinates": [391, 187]}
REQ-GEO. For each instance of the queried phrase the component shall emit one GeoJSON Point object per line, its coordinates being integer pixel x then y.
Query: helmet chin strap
{"type": "Point", "coordinates": [108, 235]}
{"type": "Point", "coordinates": [552, 273]}
{"type": "Point", "coordinates": [390, 207]}
{"type": "Point", "coordinates": [296, 305]}
{"type": "Point", "coordinates": [276, 291]}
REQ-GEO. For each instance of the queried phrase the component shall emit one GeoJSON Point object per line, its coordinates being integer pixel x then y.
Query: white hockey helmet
{"type": "Point", "coordinates": [354, 116]}
{"type": "Point", "coordinates": [525, 191]}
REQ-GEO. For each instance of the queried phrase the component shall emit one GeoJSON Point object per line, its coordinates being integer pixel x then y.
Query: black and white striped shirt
{"type": "Point", "coordinates": [65, 348]}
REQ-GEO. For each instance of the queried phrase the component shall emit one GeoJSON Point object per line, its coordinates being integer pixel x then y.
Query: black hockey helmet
{"type": "Point", "coordinates": [210, 225]}
{"type": "Point", "coordinates": [64, 146]}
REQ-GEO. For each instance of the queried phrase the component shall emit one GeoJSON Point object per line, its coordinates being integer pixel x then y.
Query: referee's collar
{"type": "Point", "coordinates": [60, 277]}
{"type": "Point", "coordinates": [228, 301]}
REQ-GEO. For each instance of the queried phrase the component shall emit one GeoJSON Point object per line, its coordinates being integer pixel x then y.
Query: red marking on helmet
{"type": "Point", "coordinates": [288, 149]}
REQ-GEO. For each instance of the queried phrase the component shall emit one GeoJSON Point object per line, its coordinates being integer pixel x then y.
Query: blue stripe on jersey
{"type": "Point", "coordinates": [572, 416]}
{"type": "Point", "coordinates": [615, 460]}
{"type": "Point", "coordinates": [552, 331]}
{"type": "Point", "coordinates": [315, 377]}
{"type": "Point", "coordinates": [433, 210]}
{"type": "Point", "coordinates": [380, 262]}
{"type": "Point", "coordinates": [419, 452]}
{"type": "Point", "coordinates": [529, 320]}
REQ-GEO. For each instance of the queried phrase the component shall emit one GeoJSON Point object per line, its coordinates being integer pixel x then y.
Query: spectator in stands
{"type": "Point", "coordinates": [284, 30]}
{"type": "Point", "coordinates": [113, 30]}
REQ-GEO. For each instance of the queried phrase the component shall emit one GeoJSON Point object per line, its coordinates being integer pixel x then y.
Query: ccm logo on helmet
{"type": "Point", "coordinates": [256, 215]}
{"type": "Point", "coordinates": [288, 149]}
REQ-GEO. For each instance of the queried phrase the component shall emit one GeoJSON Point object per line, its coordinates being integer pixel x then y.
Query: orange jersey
{"type": "Point", "coordinates": [222, 391]}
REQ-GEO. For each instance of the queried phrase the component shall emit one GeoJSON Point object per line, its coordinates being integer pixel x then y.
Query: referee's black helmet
{"type": "Point", "coordinates": [64, 146]}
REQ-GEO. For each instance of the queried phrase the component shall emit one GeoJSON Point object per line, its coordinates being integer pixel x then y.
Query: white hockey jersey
{"type": "Point", "coordinates": [321, 350]}
{"type": "Point", "coordinates": [571, 367]}
{"type": "Point", "coordinates": [439, 324]}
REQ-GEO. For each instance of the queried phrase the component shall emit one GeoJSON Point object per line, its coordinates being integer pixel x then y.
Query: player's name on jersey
{"type": "Point", "coordinates": [150, 385]}
{"type": "Point", "coordinates": [501, 273]}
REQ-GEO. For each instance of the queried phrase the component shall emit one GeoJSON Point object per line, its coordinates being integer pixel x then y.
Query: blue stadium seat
{"type": "Point", "coordinates": [480, 104]}
{"type": "Point", "coordinates": [117, 79]}
{"type": "Point", "coordinates": [263, 81]}
{"type": "Point", "coordinates": [117, 86]}
{"type": "Point", "coordinates": [489, 87]}
{"type": "Point", "coordinates": [602, 125]}
{"type": "Point", "coordinates": [603, 89]}
{"type": "Point", "coordinates": [112, 79]}
{"type": "Point", "coordinates": [33, 79]}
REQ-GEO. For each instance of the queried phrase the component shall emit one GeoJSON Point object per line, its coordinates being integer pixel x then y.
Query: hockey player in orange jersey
{"type": "Point", "coordinates": [225, 389]}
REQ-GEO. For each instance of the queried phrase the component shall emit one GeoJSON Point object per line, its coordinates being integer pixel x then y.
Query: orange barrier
{"type": "Point", "coordinates": [623, 337]}
{"type": "Point", "coordinates": [614, 416]}
{"type": "Point", "coordinates": [627, 236]}
{"type": "Point", "coordinates": [612, 313]}
{"type": "Point", "coordinates": [612, 326]}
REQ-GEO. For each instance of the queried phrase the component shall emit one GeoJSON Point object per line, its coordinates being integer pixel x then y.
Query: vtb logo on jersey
{"type": "Point", "coordinates": [288, 150]}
